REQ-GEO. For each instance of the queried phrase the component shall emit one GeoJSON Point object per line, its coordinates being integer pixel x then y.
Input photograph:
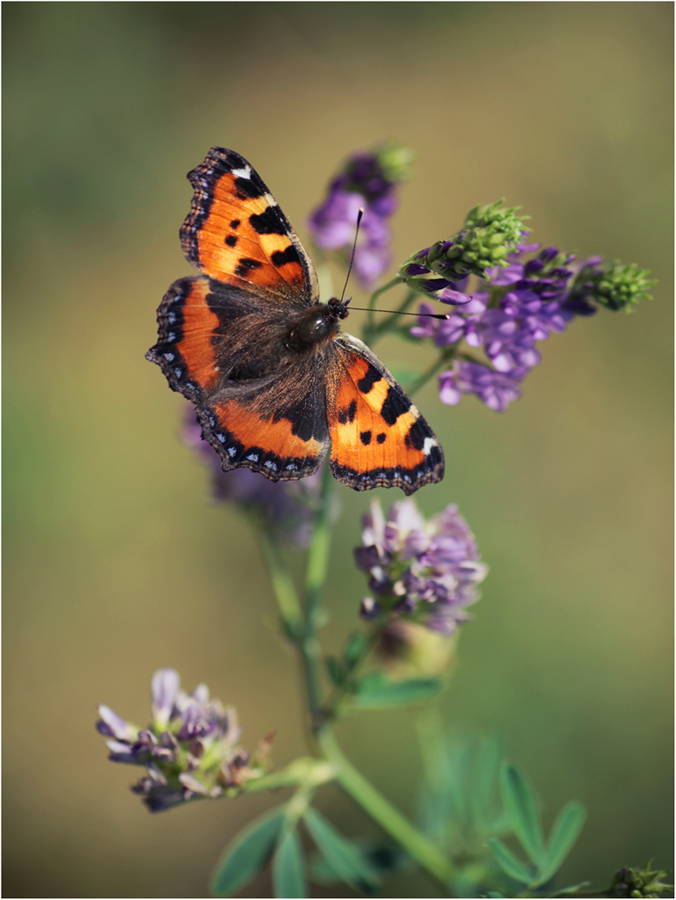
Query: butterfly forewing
{"type": "Point", "coordinates": [236, 233]}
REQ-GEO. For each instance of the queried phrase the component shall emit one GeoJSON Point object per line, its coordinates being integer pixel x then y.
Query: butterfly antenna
{"type": "Point", "coordinates": [354, 247]}
{"type": "Point", "coordinates": [398, 312]}
{"type": "Point", "coordinates": [363, 308]}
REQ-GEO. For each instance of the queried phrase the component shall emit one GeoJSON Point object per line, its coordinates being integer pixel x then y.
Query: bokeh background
{"type": "Point", "coordinates": [117, 561]}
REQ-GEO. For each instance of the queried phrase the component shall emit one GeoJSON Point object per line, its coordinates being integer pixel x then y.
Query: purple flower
{"type": "Point", "coordinates": [189, 751]}
{"type": "Point", "coordinates": [496, 389]}
{"type": "Point", "coordinates": [368, 180]}
{"type": "Point", "coordinates": [515, 307]}
{"type": "Point", "coordinates": [284, 508]}
{"type": "Point", "coordinates": [424, 571]}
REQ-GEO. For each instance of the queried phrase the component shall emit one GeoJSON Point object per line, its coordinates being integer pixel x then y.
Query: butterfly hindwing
{"type": "Point", "coordinates": [236, 233]}
{"type": "Point", "coordinates": [184, 350]}
{"type": "Point", "coordinates": [378, 437]}
{"type": "Point", "coordinates": [276, 425]}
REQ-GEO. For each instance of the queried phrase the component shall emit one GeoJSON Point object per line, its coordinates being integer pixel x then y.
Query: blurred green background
{"type": "Point", "coordinates": [116, 560]}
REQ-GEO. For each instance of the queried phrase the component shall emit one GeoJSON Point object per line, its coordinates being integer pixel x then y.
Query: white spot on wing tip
{"type": "Point", "coordinates": [242, 173]}
{"type": "Point", "coordinates": [427, 446]}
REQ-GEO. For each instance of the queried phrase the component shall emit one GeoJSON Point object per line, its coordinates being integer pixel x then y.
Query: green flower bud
{"type": "Point", "coordinates": [503, 222]}
{"type": "Point", "coordinates": [617, 286]}
{"type": "Point", "coordinates": [639, 883]}
{"type": "Point", "coordinates": [395, 161]}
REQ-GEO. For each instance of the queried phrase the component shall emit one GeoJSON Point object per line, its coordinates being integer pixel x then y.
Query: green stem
{"type": "Point", "coordinates": [283, 586]}
{"type": "Point", "coordinates": [443, 358]}
{"type": "Point", "coordinates": [373, 332]}
{"type": "Point", "coordinates": [423, 851]}
{"type": "Point", "coordinates": [318, 558]}
{"type": "Point", "coordinates": [305, 771]}
{"type": "Point", "coordinates": [374, 296]}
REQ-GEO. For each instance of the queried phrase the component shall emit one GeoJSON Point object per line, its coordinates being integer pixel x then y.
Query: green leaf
{"type": "Point", "coordinates": [343, 857]}
{"type": "Point", "coordinates": [485, 789]}
{"type": "Point", "coordinates": [334, 670]}
{"type": "Point", "coordinates": [572, 889]}
{"type": "Point", "coordinates": [460, 785]}
{"type": "Point", "coordinates": [354, 649]}
{"type": "Point", "coordinates": [564, 833]}
{"type": "Point", "coordinates": [520, 803]}
{"type": "Point", "coordinates": [508, 862]}
{"type": "Point", "coordinates": [246, 854]}
{"type": "Point", "coordinates": [376, 691]}
{"type": "Point", "coordinates": [288, 872]}
{"type": "Point", "coordinates": [382, 856]}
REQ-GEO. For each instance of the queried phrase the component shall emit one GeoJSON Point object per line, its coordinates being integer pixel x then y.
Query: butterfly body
{"type": "Point", "coordinates": [275, 381]}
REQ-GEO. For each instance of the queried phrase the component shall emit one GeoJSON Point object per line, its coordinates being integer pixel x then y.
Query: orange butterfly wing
{"type": "Point", "coordinates": [236, 233]}
{"type": "Point", "coordinates": [378, 437]}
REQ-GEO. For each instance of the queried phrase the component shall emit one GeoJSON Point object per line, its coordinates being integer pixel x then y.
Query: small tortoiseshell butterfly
{"type": "Point", "coordinates": [273, 379]}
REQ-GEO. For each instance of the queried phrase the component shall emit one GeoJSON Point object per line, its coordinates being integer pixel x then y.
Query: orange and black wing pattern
{"type": "Point", "coordinates": [185, 349]}
{"type": "Point", "coordinates": [378, 437]}
{"type": "Point", "coordinates": [276, 424]}
{"type": "Point", "coordinates": [236, 233]}
{"type": "Point", "coordinates": [273, 380]}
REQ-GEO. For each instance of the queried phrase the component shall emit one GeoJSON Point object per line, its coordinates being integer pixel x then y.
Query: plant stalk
{"type": "Point", "coordinates": [397, 826]}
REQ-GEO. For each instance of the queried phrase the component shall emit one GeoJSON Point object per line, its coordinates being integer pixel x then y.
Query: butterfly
{"type": "Point", "coordinates": [274, 380]}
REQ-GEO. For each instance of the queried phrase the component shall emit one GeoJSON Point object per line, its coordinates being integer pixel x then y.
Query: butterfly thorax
{"type": "Point", "coordinates": [317, 325]}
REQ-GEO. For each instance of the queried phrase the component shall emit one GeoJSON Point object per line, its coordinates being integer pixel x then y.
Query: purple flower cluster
{"type": "Point", "coordinates": [424, 571]}
{"type": "Point", "coordinates": [190, 750]}
{"type": "Point", "coordinates": [514, 308]}
{"type": "Point", "coordinates": [283, 508]}
{"type": "Point", "coordinates": [368, 180]}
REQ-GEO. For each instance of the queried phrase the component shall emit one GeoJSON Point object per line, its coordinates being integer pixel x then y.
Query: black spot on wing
{"type": "Point", "coordinates": [347, 415]}
{"type": "Point", "coordinates": [249, 187]}
{"type": "Point", "coordinates": [282, 257]}
{"type": "Point", "coordinates": [305, 422]}
{"type": "Point", "coordinates": [381, 438]}
{"type": "Point", "coordinates": [231, 240]}
{"type": "Point", "coordinates": [416, 436]}
{"type": "Point", "coordinates": [245, 265]}
{"type": "Point", "coordinates": [395, 405]}
{"type": "Point", "coordinates": [366, 383]}
{"type": "Point", "coordinates": [435, 457]}
{"type": "Point", "coordinates": [235, 223]}
{"type": "Point", "coordinates": [267, 222]}
{"type": "Point", "coordinates": [365, 437]}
